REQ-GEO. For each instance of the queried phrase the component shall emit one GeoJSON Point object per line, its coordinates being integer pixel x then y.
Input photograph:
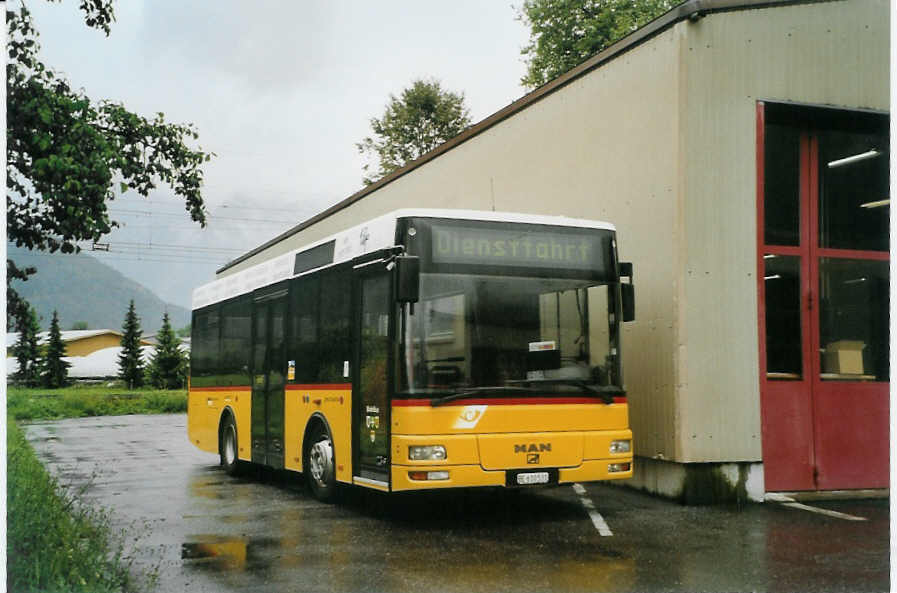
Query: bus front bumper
{"type": "Point", "coordinates": [427, 477]}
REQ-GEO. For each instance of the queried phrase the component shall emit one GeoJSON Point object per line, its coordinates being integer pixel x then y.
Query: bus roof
{"type": "Point", "coordinates": [367, 237]}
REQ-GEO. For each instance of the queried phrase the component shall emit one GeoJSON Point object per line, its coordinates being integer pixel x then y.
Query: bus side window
{"type": "Point", "coordinates": [304, 294]}
{"type": "Point", "coordinates": [334, 337]}
{"type": "Point", "coordinates": [236, 327]}
{"type": "Point", "coordinates": [197, 354]}
{"type": "Point", "coordinates": [206, 348]}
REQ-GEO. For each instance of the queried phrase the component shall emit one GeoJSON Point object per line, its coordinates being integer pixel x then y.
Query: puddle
{"type": "Point", "coordinates": [229, 553]}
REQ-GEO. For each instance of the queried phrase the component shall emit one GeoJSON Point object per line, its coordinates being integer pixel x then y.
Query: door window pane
{"type": "Point", "coordinates": [276, 359]}
{"type": "Point", "coordinates": [260, 345]}
{"type": "Point", "coordinates": [274, 397]}
{"type": "Point", "coordinates": [374, 334]}
{"type": "Point", "coordinates": [853, 191]}
{"type": "Point", "coordinates": [853, 319]}
{"type": "Point", "coordinates": [783, 330]}
{"type": "Point", "coordinates": [781, 204]}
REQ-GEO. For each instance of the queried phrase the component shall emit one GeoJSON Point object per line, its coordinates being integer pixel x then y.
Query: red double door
{"type": "Point", "coordinates": [823, 208]}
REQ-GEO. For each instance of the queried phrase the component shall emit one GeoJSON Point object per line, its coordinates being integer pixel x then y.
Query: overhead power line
{"type": "Point", "coordinates": [164, 260]}
{"type": "Point", "coordinates": [156, 258]}
{"type": "Point", "coordinates": [197, 228]}
{"type": "Point", "coordinates": [154, 245]}
{"type": "Point", "coordinates": [209, 217]}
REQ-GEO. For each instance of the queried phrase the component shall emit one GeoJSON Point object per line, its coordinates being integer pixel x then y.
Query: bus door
{"type": "Point", "coordinates": [370, 387]}
{"type": "Point", "coordinates": [268, 360]}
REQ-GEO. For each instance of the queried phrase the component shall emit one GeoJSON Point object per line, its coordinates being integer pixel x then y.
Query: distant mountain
{"type": "Point", "coordinates": [84, 289]}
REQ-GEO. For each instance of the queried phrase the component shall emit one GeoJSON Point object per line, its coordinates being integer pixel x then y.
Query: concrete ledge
{"type": "Point", "coordinates": [724, 482]}
{"type": "Point", "coordinates": [699, 483]}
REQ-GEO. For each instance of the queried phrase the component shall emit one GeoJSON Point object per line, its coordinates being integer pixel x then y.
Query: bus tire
{"type": "Point", "coordinates": [318, 465]}
{"type": "Point", "coordinates": [227, 447]}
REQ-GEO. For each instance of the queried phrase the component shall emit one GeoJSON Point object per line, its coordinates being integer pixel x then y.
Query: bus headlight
{"type": "Point", "coordinates": [426, 453]}
{"type": "Point", "coordinates": [621, 446]}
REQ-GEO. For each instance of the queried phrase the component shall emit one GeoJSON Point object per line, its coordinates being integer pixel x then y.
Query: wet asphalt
{"type": "Point", "coordinates": [200, 530]}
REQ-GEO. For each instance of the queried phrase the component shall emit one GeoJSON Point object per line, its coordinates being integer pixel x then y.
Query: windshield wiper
{"type": "Point", "coordinates": [606, 393]}
{"type": "Point", "coordinates": [472, 391]}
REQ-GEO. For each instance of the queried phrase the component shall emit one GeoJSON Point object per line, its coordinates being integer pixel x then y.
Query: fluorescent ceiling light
{"type": "Point", "coordinates": [871, 154]}
{"type": "Point", "coordinates": [770, 256]}
{"type": "Point", "coordinates": [855, 281]}
{"type": "Point", "coordinates": [878, 204]}
{"type": "Point", "coordinates": [773, 277]}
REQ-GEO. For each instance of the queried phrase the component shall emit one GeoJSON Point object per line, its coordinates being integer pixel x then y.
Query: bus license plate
{"type": "Point", "coordinates": [532, 478]}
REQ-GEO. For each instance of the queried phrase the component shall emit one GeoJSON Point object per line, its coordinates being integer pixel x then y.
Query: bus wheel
{"type": "Point", "coordinates": [318, 464]}
{"type": "Point", "coordinates": [227, 448]}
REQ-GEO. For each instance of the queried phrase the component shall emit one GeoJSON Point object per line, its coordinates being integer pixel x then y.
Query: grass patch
{"type": "Point", "coordinates": [25, 403]}
{"type": "Point", "coordinates": [55, 543]}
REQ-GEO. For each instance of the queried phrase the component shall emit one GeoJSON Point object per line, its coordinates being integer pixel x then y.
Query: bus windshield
{"type": "Point", "coordinates": [515, 334]}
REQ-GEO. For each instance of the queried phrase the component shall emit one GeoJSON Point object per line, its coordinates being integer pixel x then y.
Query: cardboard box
{"type": "Point", "coordinates": [844, 357]}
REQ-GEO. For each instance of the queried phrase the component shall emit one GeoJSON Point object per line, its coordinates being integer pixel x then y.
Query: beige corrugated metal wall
{"type": "Point", "coordinates": [603, 147]}
{"type": "Point", "coordinates": [660, 141]}
{"type": "Point", "coordinates": [832, 53]}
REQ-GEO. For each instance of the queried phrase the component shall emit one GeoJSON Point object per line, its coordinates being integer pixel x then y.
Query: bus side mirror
{"type": "Point", "coordinates": [407, 278]}
{"type": "Point", "coordinates": [627, 292]}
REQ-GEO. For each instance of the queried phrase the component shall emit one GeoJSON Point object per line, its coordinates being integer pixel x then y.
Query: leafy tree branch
{"type": "Point", "coordinates": [565, 33]}
{"type": "Point", "coordinates": [68, 155]}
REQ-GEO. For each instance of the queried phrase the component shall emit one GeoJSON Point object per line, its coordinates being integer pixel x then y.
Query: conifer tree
{"type": "Point", "coordinates": [25, 349]}
{"type": "Point", "coordinates": [167, 367]}
{"type": "Point", "coordinates": [55, 372]}
{"type": "Point", "coordinates": [130, 363]}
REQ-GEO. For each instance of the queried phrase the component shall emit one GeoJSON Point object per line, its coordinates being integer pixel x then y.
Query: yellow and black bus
{"type": "Point", "coordinates": [423, 349]}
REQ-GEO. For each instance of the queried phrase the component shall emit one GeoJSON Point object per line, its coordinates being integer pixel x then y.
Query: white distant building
{"type": "Point", "coordinates": [92, 354]}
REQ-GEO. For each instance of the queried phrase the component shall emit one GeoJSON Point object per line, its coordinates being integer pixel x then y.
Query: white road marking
{"type": "Point", "coordinates": [790, 502]}
{"type": "Point", "coordinates": [836, 514]}
{"type": "Point", "coordinates": [597, 520]}
{"type": "Point", "coordinates": [600, 524]}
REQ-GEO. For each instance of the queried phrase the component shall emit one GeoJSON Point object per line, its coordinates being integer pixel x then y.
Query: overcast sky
{"type": "Point", "coordinates": [281, 92]}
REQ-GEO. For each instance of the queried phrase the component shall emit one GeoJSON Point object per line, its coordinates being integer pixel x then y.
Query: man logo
{"type": "Point", "coordinates": [532, 448]}
{"type": "Point", "coordinates": [532, 458]}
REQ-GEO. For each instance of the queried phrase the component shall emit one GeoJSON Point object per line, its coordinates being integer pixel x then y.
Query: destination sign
{"type": "Point", "coordinates": [516, 247]}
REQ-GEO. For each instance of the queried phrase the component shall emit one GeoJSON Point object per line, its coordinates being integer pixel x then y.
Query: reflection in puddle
{"type": "Point", "coordinates": [222, 552]}
{"type": "Point", "coordinates": [401, 568]}
{"type": "Point", "coordinates": [209, 485]}
{"type": "Point", "coordinates": [241, 554]}
{"type": "Point", "coordinates": [374, 542]}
